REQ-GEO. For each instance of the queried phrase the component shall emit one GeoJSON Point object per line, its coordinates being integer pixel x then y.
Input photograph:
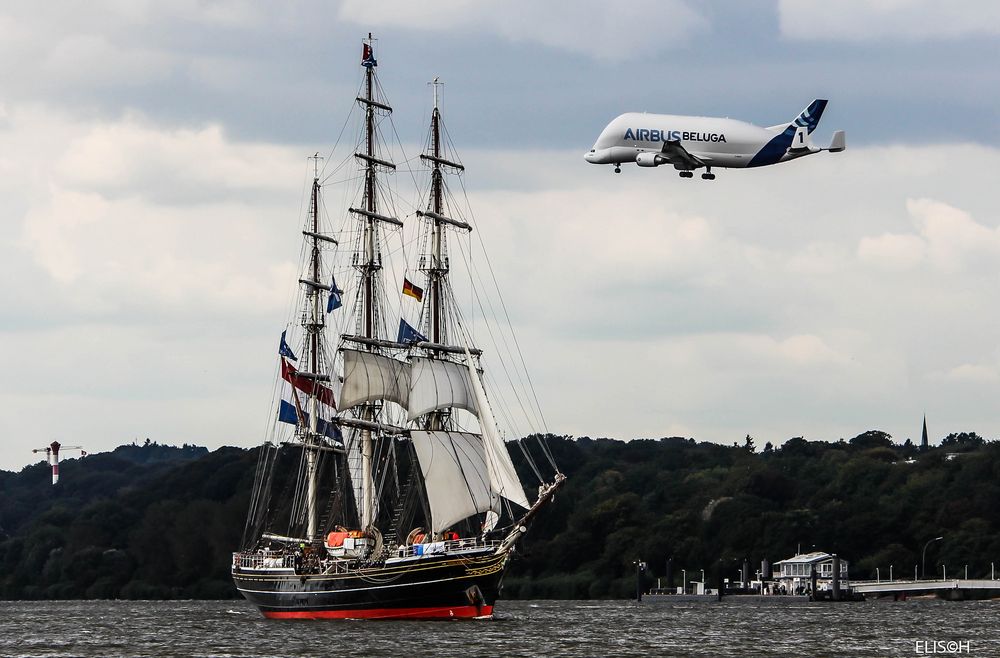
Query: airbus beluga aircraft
{"type": "Point", "coordinates": [689, 143]}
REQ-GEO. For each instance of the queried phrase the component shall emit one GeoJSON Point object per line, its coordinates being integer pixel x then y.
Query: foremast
{"type": "Point", "coordinates": [436, 266]}
{"type": "Point", "coordinates": [489, 477]}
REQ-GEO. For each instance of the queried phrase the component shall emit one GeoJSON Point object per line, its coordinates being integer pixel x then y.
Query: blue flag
{"type": "Point", "coordinates": [335, 293]}
{"type": "Point", "coordinates": [408, 334]}
{"type": "Point", "coordinates": [285, 350]}
{"type": "Point", "coordinates": [288, 414]}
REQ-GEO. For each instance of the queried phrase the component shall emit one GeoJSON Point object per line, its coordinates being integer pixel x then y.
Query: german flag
{"type": "Point", "coordinates": [413, 291]}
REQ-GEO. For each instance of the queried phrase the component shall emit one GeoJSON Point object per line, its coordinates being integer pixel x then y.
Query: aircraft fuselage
{"type": "Point", "coordinates": [689, 142]}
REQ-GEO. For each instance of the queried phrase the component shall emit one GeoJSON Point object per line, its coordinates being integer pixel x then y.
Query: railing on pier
{"type": "Point", "coordinates": [891, 586]}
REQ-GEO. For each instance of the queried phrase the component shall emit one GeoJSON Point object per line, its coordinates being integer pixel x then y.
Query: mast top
{"type": "Point", "coordinates": [368, 53]}
{"type": "Point", "coordinates": [437, 84]}
{"type": "Point", "coordinates": [316, 157]}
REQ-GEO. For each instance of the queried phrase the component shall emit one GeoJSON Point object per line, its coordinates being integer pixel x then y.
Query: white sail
{"type": "Point", "coordinates": [503, 477]}
{"type": "Point", "coordinates": [436, 384]}
{"type": "Point", "coordinates": [455, 474]}
{"type": "Point", "coordinates": [369, 376]}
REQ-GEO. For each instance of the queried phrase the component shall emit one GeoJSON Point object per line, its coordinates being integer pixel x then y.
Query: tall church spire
{"type": "Point", "coordinates": [923, 438]}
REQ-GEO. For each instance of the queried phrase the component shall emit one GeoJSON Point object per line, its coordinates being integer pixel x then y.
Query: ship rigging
{"type": "Point", "coordinates": [394, 493]}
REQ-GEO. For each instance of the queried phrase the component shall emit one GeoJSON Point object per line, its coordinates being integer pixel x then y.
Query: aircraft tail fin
{"type": "Point", "coordinates": [809, 117]}
{"type": "Point", "coordinates": [801, 143]}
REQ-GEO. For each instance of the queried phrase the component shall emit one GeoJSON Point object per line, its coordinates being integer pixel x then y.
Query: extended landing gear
{"type": "Point", "coordinates": [708, 175]}
{"type": "Point", "coordinates": [618, 168]}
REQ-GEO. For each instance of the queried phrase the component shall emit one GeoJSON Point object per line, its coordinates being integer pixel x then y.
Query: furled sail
{"type": "Point", "coordinates": [503, 477]}
{"type": "Point", "coordinates": [436, 384]}
{"type": "Point", "coordinates": [455, 474]}
{"type": "Point", "coordinates": [370, 376]}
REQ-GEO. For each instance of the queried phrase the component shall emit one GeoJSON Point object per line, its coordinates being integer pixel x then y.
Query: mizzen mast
{"type": "Point", "coordinates": [312, 429]}
{"type": "Point", "coordinates": [314, 327]}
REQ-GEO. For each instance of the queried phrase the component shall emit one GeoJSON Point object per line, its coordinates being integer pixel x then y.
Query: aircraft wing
{"type": "Point", "coordinates": [679, 156]}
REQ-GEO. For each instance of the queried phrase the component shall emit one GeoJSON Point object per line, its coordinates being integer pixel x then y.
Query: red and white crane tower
{"type": "Point", "coordinates": [52, 454]}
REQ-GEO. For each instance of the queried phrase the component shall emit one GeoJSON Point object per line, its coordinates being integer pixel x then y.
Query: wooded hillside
{"type": "Point", "coordinates": [152, 521]}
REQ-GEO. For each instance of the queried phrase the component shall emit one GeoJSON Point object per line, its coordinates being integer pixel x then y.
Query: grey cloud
{"type": "Point", "coordinates": [150, 220]}
{"type": "Point", "coordinates": [280, 73]}
{"type": "Point", "coordinates": [862, 20]}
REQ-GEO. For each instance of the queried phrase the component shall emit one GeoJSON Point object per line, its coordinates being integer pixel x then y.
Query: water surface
{"type": "Point", "coordinates": [521, 628]}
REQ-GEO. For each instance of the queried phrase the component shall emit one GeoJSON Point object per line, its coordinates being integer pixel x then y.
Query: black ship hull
{"type": "Point", "coordinates": [433, 587]}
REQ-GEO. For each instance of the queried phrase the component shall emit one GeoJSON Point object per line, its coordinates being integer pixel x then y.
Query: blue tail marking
{"type": "Point", "coordinates": [775, 149]}
{"type": "Point", "coordinates": [809, 118]}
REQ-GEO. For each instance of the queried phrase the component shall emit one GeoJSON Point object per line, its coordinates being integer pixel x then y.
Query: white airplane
{"type": "Point", "coordinates": [689, 143]}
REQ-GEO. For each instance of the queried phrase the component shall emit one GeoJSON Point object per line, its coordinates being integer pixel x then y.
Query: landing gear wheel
{"type": "Point", "coordinates": [708, 176]}
{"type": "Point", "coordinates": [687, 174]}
{"type": "Point", "coordinates": [618, 169]}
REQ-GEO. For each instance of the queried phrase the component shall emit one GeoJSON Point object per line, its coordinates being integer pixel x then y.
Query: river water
{"type": "Point", "coordinates": [521, 628]}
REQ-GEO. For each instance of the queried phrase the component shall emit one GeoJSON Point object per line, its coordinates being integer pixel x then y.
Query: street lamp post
{"type": "Point", "coordinates": [923, 556]}
{"type": "Point", "coordinates": [890, 573]}
{"type": "Point", "coordinates": [684, 581]}
{"type": "Point", "coordinates": [640, 566]}
{"type": "Point", "coordinates": [878, 576]}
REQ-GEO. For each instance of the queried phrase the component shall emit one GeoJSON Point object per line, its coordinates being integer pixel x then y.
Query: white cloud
{"type": "Point", "coordinates": [149, 255]}
{"type": "Point", "coordinates": [861, 20]}
{"type": "Point", "coordinates": [750, 305]}
{"type": "Point", "coordinates": [954, 240]}
{"type": "Point", "coordinates": [155, 267]}
{"type": "Point", "coordinates": [971, 373]}
{"type": "Point", "coordinates": [948, 239]}
{"type": "Point", "coordinates": [129, 157]}
{"type": "Point", "coordinates": [89, 59]}
{"type": "Point", "coordinates": [892, 251]}
{"type": "Point", "coordinates": [128, 215]}
{"type": "Point", "coordinates": [143, 258]}
{"type": "Point", "coordinates": [604, 30]}
{"type": "Point", "coordinates": [57, 48]}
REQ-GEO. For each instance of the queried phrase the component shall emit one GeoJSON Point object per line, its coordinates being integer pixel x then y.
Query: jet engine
{"type": "Point", "coordinates": [649, 159]}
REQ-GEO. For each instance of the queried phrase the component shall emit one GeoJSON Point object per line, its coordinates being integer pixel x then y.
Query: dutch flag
{"type": "Point", "coordinates": [295, 400]}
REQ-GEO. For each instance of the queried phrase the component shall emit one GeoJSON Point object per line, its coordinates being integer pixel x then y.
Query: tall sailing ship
{"type": "Point", "coordinates": [386, 489]}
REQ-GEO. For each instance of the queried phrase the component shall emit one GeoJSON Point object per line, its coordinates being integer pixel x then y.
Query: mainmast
{"type": "Point", "coordinates": [369, 266]}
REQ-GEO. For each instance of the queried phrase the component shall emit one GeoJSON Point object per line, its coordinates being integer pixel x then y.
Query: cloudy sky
{"type": "Point", "coordinates": [153, 166]}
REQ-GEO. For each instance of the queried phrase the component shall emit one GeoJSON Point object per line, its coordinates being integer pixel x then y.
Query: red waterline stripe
{"type": "Point", "coordinates": [456, 612]}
